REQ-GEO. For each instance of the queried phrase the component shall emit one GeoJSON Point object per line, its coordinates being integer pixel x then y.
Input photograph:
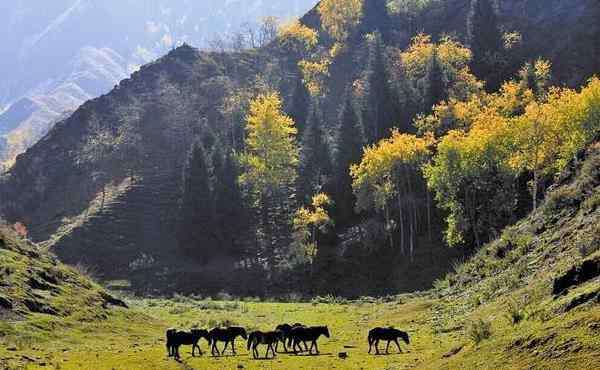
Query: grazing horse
{"type": "Point", "coordinates": [269, 338]}
{"type": "Point", "coordinates": [305, 334]}
{"type": "Point", "coordinates": [227, 335]}
{"type": "Point", "coordinates": [388, 334]}
{"type": "Point", "coordinates": [176, 338]}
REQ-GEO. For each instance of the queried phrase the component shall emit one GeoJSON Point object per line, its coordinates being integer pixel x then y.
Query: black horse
{"type": "Point", "coordinates": [176, 338]}
{"type": "Point", "coordinates": [227, 335]}
{"type": "Point", "coordinates": [306, 334]}
{"type": "Point", "coordinates": [388, 334]}
{"type": "Point", "coordinates": [270, 338]}
{"type": "Point", "coordinates": [286, 338]}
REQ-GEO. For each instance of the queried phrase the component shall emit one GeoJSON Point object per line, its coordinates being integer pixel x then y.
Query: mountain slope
{"type": "Point", "coordinates": [515, 305]}
{"type": "Point", "coordinates": [62, 54]}
{"type": "Point", "coordinates": [34, 281]}
{"type": "Point", "coordinates": [104, 186]}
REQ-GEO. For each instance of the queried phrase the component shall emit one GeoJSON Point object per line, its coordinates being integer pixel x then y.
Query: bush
{"type": "Point", "coordinates": [515, 312]}
{"type": "Point", "coordinates": [224, 296]}
{"type": "Point", "coordinates": [561, 198]}
{"type": "Point", "coordinates": [479, 330]}
{"type": "Point", "coordinates": [329, 299]}
{"type": "Point", "coordinates": [85, 270]}
{"type": "Point", "coordinates": [588, 242]}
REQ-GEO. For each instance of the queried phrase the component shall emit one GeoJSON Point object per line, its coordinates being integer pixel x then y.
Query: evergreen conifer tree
{"type": "Point", "coordinates": [315, 158]}
{"type": "Point", "coordinates": [349, 149]}
{"type": "Point", "coordinates": [486, 42]}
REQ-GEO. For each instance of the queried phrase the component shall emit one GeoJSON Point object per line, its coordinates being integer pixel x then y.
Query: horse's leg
{"type": "Point", "coordinates": [305, 346]}
{"type": "Point", "coordinates": [233, 346]}
{"type": "Point", "coordinates": [387, 348]}
{"type": "Point", "coordinates": [398, 345]}
{"type": "Point", "coordinates": [377, 346]}
{"type": "Point", "coordinates": [224, 348]}
{"type": "Point", "coordinates": [193, 349]}
{"type": "Point", "coordinates": [316, 346]}
{"type": "Point", "coordinates": [215, 348]}
{"type": "Point", "coordinates": [273, 350]}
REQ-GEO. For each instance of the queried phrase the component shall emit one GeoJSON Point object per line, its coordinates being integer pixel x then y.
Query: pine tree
{"type": "Point", "coordinates": [436, 87]}
{"type": "Point", "coordinates": [486, 42]}
{"type": "Point", "coordinates": [375, 17]}
{"type": "Point", "coordinates": [300, 105]}
{"type": "Point", "coordinates": [380, 112]}
{"type": "Point", "coordinates": [230, 212]}
{"type": "Point", "coordinates": [197, 208]}
{"type": "Point", "coordinates": [315, 158]}
{"type": "Point", "coordinates": [349, 149]}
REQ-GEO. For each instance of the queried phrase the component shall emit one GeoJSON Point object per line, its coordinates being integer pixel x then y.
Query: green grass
{"type": "Point", "coordinates": [133, 338]}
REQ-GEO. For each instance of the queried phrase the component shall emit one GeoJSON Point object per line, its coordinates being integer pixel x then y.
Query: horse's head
{"type": "Point", "coordinates": [404, 336]}
{"type": "Point", "coordinates": [284, 327]}
{"type": "Point", "coordinates": [324, 330]}
{"type": "Point", "coordinates": [241, 332]}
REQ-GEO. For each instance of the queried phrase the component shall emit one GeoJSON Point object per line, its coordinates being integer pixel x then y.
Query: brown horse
{"type": "Point", "coordinates": [388, 334]}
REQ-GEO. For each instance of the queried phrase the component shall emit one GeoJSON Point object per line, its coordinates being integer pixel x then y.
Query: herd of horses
{"type": "Point", "coordinates": [296, 336]}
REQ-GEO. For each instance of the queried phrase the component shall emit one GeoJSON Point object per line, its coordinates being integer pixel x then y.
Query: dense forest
{"type": "Point", "coordinates": [360, 151]}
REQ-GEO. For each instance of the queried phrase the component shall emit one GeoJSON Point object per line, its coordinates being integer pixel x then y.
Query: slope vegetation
{"type": "Point", "coordinates": [528, 300]}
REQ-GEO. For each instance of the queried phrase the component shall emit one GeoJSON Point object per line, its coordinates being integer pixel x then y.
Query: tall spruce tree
{"type": "Point", "coordinates": [230, 212]}
{"type": "Point", "coordinates": [195, 227]}
{"type": "Point", "coordinates": [381, 109]}
{"type": "Point", "coordinates": [300, 105]}
{"type": "Point", "coordinates": [349, 149]}
{"type": "Point", "coordinates": [486, 43]}
{"type": "Point", "coordinates": [375, 17]}
{"type": "Point", "coordinates": [315, 158]}
{"type": "Point", "coordinates": [436, 86]}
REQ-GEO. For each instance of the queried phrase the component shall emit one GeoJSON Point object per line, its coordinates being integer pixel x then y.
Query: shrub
{"type": "Point", "coordinates": [441, 284]}
{"type": "Point", "coordinates": [560, 198]}
{"type": "Point", "coordinates": [85, 270]}
{"type": "Point", "coordinates": [479, 330]}
{"type": "Point", "coordinates": [224, 296]}
{"type": "Point", "coordinates": [515, 312]}
{"type": "Point", "coordinates": [329, 299]}
{"type": "Point", "coordinates": [588, 242]}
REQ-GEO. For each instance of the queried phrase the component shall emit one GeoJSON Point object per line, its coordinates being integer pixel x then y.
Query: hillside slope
{"type": "Point", "coordinates": [104, 187]}
{"type": "Point", "coordinates": [34, 282]}
{"type": "Point", "coordinates": [57, 56]}
{"type": "Point", "coordinates": [529, 300]}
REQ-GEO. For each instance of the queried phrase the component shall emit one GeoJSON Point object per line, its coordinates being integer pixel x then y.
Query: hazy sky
{"type": "Point", "coordinates": [41, 37]}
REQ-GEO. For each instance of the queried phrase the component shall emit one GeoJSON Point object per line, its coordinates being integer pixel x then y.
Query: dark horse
{"type": "Point", "coordinates": [306, 334]}
{"type": "Point", "coordinates": [270, 338]}
{"type": "Point", "coordinates": [227, 335]}
{"type": "Point", "coordinates": [286, 337]}
{"type": "Point", "coordinates": [176, 338]}
{"type": "Point", "coordinates": [388, 334]}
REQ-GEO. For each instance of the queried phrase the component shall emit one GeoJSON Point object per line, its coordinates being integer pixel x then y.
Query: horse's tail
{"type": "Point", "coordinates": [371, 337]}
{"type": "Point", "coordinates": [251, 338]}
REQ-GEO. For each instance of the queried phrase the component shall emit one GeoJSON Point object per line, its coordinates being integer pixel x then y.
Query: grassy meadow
{"type": "Point", "coordinates": [441, 338]}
